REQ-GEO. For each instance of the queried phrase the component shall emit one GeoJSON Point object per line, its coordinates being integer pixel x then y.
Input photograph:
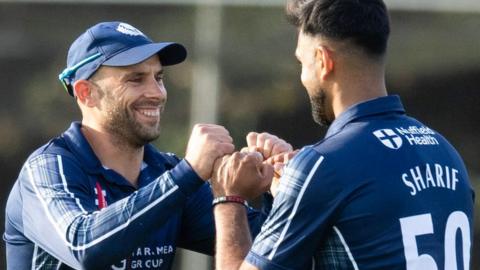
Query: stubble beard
{"type": "Point", "coordinates": [123, 125]}
{"type": "Point", "coordinates": [319, 108]}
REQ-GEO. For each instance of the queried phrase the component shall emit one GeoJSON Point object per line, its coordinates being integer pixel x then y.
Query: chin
{"type": "Point", "coordinates": [149, 134]}
{"type": "Point", "coordinates": [321, 119]}
{"type": "Point", "coordinates": [141, 133]}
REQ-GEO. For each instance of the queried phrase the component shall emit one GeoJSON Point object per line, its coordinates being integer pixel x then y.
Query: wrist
{"type": "Point", "coordinates": [185, 177]}
{"type": "Point", "coordinates": [229, 199]}
{"type": "Point", "coordinates": [196, 170]}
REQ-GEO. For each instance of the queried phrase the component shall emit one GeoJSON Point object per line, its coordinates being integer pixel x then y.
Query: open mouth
{"type": "Point", "coordinates": [150, 112]}
{"type": "Point", "coordinates": [148, 115]}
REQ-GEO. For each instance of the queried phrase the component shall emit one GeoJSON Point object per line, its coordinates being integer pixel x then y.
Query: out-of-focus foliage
{"type": "Point", "coordinates": [433, 64]}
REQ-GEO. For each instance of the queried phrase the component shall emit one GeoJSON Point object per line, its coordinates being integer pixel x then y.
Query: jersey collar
{"type": "Point", "coordinates": [377, 106]}
{"type": "Point", "coordinates": [81, 149]}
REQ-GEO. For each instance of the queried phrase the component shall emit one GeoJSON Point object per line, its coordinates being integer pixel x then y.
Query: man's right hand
{"type": "Point", "coordinates": [207, 143]}
{"type": "Point", "coordinates": [241, 174]}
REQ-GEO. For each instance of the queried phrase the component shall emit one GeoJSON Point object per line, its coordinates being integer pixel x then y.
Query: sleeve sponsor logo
{"type": "Point", "coordinates": [146, 258]}
{"type": "Point", "coordinates": [413, 135]}
{"type": "Point", "coordinates": [139, 264]}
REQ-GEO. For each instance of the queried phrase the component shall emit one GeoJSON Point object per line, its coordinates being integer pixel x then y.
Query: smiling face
{"type": "Point", "coordinates": [130, 101]}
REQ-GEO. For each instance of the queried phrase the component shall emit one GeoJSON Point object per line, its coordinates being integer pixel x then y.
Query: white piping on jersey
{"type": "Point", "coordinates": [34, 256]}
{"type": "Point", "coordinates": [105, 236]}
{"type": "Point", "coordinates": [65, 187]}
{"type": "Point", "coordinates": [132, 218]}
{"type": "Point", "coordinates": [270, 230]}
{"type": "Point", "coordinates": [295, 207]}
{"type": "Point", "coordinates": [350, 256]}
{"type": "Point", "coordinates": [45, 207]}
{"type": "Point", "coordinates": [34, 260]}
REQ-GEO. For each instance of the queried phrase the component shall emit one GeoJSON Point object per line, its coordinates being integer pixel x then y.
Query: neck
{"type": "Point", "coordinates": [113, 154]}
{"type": "Point", "coordinates": [357, 88]}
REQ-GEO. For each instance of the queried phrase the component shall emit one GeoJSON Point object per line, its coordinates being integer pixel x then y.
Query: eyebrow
{"type": "Point", "coordinates": [139, 73]}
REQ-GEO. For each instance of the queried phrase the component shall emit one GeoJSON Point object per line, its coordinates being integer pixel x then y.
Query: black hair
{"type": "Point", "coordinates": [363, 22]}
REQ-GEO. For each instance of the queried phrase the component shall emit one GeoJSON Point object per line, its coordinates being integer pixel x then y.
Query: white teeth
{"type": "Point", "coordinates": [150, 113]}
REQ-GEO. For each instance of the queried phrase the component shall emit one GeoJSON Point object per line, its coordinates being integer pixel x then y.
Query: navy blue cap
{"type": "Point", "coordinates": [114, 44]}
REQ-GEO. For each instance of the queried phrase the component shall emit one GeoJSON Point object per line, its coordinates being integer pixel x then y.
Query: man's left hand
{"type": "Point", "coordinates": [267, 144]}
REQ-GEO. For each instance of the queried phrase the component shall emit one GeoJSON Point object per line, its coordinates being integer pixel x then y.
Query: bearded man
{"type": "Point", "coordinates": [381, 191]}
{"type": "Point", "coordinates": [100, 196]}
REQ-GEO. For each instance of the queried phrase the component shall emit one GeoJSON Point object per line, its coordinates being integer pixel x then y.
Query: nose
{"type": "Point", "coordinates": [156, 89]}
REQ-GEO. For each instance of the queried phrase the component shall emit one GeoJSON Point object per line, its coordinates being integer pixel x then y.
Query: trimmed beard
{"type": "Point", "coordinates": [122, 124]}
{"type": "Point", "coordinates": [319, 109]}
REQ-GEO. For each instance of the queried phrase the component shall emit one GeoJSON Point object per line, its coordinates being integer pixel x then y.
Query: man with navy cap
{"type": "Point", "coordinates": [100, 196]}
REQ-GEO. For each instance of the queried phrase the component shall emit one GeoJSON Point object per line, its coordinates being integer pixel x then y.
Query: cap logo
{"type": "Point", "coordinates": [127, 29]}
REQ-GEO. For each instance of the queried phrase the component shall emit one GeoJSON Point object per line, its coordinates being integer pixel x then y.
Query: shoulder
{"type": "Point", "coordinates": [52, 149]}
{"type": "Point", "coordinates": [308, 164]}
{"type": "Point", "coordinates": [52, 161]}
{"type": "Point", "coordinates": [307, 159]}
{"type": "Point", "coordinates": [352, 141]}
{"type": "Point", "coordinates": [153, 155]}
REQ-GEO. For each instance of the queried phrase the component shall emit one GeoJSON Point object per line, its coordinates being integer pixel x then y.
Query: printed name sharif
{"type": "Point", "coordinates": [430, 176]}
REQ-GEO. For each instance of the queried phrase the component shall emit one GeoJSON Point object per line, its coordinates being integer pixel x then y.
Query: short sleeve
{"type": "Point", "coordinates": [301, 214]}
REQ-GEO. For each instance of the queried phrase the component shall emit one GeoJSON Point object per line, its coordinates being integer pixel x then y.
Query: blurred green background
{"type": "Point", "coordinates": [433, 64]}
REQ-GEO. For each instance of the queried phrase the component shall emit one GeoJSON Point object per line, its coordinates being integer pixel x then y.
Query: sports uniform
{"type": "Point", "coordinates": [55, 220]}
{"type": "Point", "coordinates": [380, 191]}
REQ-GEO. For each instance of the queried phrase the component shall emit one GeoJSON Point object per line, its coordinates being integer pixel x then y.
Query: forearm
{"type": "Point", "coordinates": [60, 216]}
{"type": "Point", "coordinates": [233, 235]}
{"type": "Point", "coordinates": [95, 237]}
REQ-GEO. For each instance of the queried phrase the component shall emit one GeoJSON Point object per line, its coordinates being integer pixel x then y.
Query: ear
{"type": "Point", "coordinates": [324, 61]}
{"type": "Point", "coordinates": [85, 93]}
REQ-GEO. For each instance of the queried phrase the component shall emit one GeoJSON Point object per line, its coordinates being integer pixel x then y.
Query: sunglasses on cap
{"type": "Point", "coordinates": [66, 75]}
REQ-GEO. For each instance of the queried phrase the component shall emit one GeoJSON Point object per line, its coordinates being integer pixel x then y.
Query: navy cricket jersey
{"type": "Point", "coordinates": [380, 191]}
{"type": "Point", "coordinates": [53, 219]}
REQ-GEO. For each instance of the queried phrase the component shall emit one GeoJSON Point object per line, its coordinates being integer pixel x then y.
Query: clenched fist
{"type": "Point", "coordinates": [275, 151]}
{"type": "Point", "coordinates": [267, 144]}
{"type": "Point", "coordinates": [207, 143]}
{"type": "Point", "coordinates": [241, 174]}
